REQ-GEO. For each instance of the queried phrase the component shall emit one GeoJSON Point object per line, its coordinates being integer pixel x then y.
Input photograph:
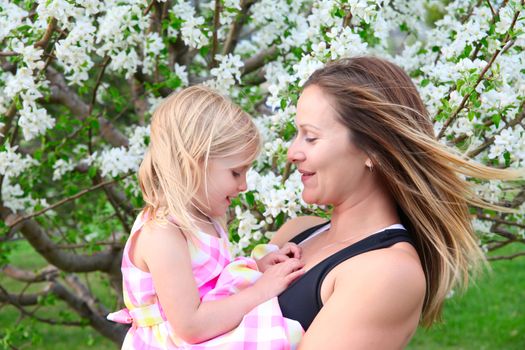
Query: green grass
{"type": "Point", "coordinates": [47, 336]}
{"type": "Point", "coordinates": [491, 315]}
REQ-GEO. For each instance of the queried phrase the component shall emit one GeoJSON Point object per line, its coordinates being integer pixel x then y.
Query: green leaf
{"type": "Point", "coordinates": [279, 220]}
{"type": "Point", "coordinates": [496, 118]}
{"type": "Point", "coordinates": [250, 198]}
{"type": "Point", "coordinates": [92, 171]}
{"type": "Point", "coordinates": [284, 103]}
{"type": "Point", "coordinates": [506, 156]}
{"type": "Point", "coordinates": [204, 50]}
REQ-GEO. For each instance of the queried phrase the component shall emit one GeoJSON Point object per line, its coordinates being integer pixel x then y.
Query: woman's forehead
{"type": "Point", "coordinates": [315, 109]}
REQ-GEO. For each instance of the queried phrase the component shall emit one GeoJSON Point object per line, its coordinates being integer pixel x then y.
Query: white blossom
{"type": "Point", "coordinates": [34, 121]}
{"type": "Point", "coordinates": [13, 163]}
{"type": "Point", "coordinates": [61, 167]}
{"type": "Point", "coordinates": [227, 73]}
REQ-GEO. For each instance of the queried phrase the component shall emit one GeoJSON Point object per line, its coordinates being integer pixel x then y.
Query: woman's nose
{"type": "Point", "coordinates": [295, 154]}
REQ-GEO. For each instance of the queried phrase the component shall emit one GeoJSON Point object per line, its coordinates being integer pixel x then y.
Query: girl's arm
{"type": "Point", "coordinates": [375, 304]}
{"type": "Point", "coordinates": [165, 252]}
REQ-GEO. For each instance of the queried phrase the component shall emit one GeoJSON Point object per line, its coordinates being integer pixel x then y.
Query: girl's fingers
{"type": "Point", "coordinates": [295, 275]}
{"type": "Point", "coordinates": [292, 250]}
{"type": "Point", "coordinates": [279, 258]}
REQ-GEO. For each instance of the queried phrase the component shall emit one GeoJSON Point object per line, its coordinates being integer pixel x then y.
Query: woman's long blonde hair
{"type": "Point", "coordinates": [379, 104]}
{"type": "Point", "coordinates": [187, 129]}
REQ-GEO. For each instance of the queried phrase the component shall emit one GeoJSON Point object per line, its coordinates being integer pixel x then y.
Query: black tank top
{"type": "Point", "coordinates": [301, 301]}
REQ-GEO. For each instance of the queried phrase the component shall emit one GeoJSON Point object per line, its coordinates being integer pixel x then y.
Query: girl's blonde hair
{"type": "Point", "coordinates": [377, 101]}
{"type": "Point", "coordinates": [187, 129]}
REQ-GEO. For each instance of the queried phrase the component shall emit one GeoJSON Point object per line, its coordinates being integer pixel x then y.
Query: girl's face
{"type": "Point", "coordinates": [225, 179]}
{"type": "Point", "coordinates": [333, 169]}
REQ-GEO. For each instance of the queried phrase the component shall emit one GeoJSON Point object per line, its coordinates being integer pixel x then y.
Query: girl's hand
{"type": "Point", "coordinates": [289, 250]}
{"type": "Point", "coordinates": [278, 277]}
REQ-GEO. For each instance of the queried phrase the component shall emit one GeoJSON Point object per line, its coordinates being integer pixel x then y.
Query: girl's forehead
{"type": "Point", "coordinates": [237, 160]}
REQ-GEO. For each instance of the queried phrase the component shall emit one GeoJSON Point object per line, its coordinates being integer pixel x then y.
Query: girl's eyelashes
{"type": "Point", "coordinates": [310, 139]}
{"type": "Point", "coordinates": [235, 173]}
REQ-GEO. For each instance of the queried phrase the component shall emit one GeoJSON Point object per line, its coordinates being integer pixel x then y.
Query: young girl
{"type": "Point", "coordinates": [180, 284]}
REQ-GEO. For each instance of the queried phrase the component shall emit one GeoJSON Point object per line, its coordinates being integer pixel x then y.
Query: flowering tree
{"type": "Point", "coordinates": [79, 81]}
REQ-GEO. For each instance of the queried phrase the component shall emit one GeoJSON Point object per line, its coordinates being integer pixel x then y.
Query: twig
{"type": "Point", "coordinates": [47, 273]}
{"type": "Point", "coordinates": [347, 19]}
{"type": "Point", "coordinates": [8, 53]}
{"type": "Point", "coordinates": [12, 301]}
{"type": "Point", "coordinates": [63, 201]}
{"type": "Point", "coordinates": [107, 59]}
{"type": "Point", "coordinates": [492, 10]}
{"type": "Point", "coordinates": [480, 78]}
{"type": "Point", "coordinates": [148, 9]}
{"type": "Point", "coordinates": [235, 28]}
{"type": "Point", "coordinates": [215, 42]}
{"type": "Point", "coordinates": [490, 141]}
{"type": "Point", "coordinates": [47, 36]}
{"type": "Point", "coordinates": [506, 257]}
{"type": "Point", "coordinates": [258, 60]}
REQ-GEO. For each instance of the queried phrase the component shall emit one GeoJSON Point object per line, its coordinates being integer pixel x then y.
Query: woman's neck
{"type": "Point", "coordinates": [370, 214]}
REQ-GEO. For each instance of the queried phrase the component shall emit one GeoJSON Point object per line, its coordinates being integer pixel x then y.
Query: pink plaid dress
{"type": "Point", "coordinates": [217, 276]}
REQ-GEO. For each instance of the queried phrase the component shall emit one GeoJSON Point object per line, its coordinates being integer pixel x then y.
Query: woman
{"type": "Point", "coordinates": [400, 235]}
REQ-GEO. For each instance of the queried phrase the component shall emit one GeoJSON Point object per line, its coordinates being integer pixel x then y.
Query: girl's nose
{"type": "Point", "coordinates": [243, 185]}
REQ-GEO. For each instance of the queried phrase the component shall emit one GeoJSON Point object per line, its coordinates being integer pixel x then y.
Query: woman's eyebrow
{"type": "Point", "coordinates": [308, 125]}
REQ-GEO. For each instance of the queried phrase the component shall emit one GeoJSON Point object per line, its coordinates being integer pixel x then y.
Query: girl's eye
{"type": "Point", "coordinates": [236, 174]}
{"type": "Point", "coordinates": [310, 139]}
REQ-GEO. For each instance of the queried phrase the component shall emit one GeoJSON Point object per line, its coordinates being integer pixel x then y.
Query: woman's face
{"type": "Point", "coordinates": [333, 170]}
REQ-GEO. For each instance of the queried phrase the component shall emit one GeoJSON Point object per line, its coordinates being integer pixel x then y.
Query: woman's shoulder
{"type": "Point", "coordinates": [293, 227]}
{"type": "Point", "coordinates": [378, 294]}
{"type": "Point", "coordinates": [396, 270]}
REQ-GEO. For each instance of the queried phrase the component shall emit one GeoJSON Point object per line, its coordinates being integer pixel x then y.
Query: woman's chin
{"type": "Point", "coordinates": [309, 199]}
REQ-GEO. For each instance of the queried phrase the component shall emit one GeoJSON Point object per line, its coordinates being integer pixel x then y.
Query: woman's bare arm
{"type": "Point", "coordinates": [376, 304]}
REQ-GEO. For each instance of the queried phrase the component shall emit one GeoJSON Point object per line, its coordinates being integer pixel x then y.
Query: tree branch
{"type": "Point", "coordinates": [47, 35]}
{"type": "Point", "coordinates": [236, 27]}
{"type": "Point", "coordinates": [62, 201]}
{"type": "Point", "coordinates": [215, 41]}
{"type": "Point", "coordinates": [258, 60]}
{"type": "Point", "coordinates": [490, 140]}
{"type": "Point", "coordinates": [46, 274]}
{"type": "Point", "coordinates": [8, 53]}
{"type": "Point", "coordinates": [20, 300]}
{"type": "Point", "coordinates": [69, 262]}
{"type": "Point", "coordinates": [113, 331]}
{"type": "Point", "coordinates": [61, 93]}
{"type": "Point", "coordinates": [480, 78]}
{"type": "Point", "coordinates": [506, 257]}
